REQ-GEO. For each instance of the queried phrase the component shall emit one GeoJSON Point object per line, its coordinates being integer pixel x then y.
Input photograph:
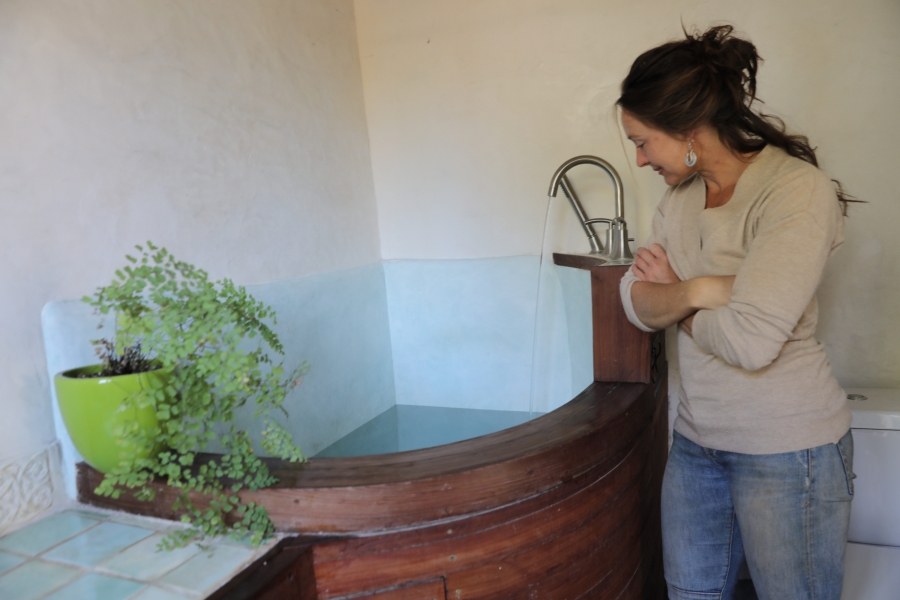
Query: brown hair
{"type": "Point", "coordinates": [710, 79]}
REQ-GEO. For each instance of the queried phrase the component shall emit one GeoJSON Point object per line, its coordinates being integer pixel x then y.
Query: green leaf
{"type": "Point", "coordinates": [216, 341]}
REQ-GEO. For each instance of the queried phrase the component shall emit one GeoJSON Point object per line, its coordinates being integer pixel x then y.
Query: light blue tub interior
{"type": "Point", "coordinates": [420, 344]}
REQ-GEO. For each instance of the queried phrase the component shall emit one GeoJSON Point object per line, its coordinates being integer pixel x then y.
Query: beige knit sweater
{"type": "Point", "coordinates": [754, 379]}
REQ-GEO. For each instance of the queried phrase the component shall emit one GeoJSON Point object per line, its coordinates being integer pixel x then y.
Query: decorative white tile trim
{"type": "Point", "coordinates": [26, 487]}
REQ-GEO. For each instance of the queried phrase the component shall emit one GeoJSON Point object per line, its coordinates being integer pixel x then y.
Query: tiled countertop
{"type": "Point", "coordinates": [97, 555]}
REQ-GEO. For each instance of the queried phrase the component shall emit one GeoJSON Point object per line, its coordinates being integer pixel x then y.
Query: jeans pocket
{"type": "Point", "coordinates": [845, 448]}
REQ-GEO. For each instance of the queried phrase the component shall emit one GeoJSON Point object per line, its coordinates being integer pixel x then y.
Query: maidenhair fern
{"type": "Point", "coordinates": [214, 340]}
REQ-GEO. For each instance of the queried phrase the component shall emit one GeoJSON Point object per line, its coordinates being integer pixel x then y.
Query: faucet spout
{"type": "Point", "coordinates": [587, 159]}
{"type": "Point", "coordinates": [616, 249]}
{"type": "Point", "coordinates": [586, 224]}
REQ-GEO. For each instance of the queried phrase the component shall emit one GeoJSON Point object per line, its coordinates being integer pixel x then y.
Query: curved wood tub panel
{"type": "Point", "coordinates": [459, 479]}
{"type": "Point", "coordinates": [486, 519]}
{"type": "Point", "coordinates": [502, 535]}
{"type": "Point", "coordinates": [581, 539]}
{"type": "Point", "coordinates": [564, 506]}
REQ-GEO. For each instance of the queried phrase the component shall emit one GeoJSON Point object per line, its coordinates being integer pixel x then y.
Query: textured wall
{"type": "Point", "coordinates": [471, 106]}
{"type": "Point", "coordinates": [28, 486]}
{"type": "Point", "coordinates": [233, 133]}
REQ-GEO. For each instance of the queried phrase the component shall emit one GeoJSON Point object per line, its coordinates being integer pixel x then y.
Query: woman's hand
{"type": "Point", "coordinates": [688, 325]}
{"type": "Point", "coordinates": [661, 299]}
{"type": "Point", "coordinates": [711, 293]}
{"type": "Point", "coordinates": [652, 265]}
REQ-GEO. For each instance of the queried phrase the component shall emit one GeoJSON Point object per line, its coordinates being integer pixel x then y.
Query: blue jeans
{"type": "Point", "coordinates": [787, 514]}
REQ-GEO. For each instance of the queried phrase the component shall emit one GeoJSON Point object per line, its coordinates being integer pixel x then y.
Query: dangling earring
{"type": "Point", "coordinates": [691, 158]}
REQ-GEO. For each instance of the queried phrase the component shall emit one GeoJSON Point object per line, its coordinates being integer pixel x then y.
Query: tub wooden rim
{"type": "Point", "coordinates": [389, 492]}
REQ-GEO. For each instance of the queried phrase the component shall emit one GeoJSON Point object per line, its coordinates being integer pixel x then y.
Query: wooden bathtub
{"type": "Point", "coordinates": [564, 506]}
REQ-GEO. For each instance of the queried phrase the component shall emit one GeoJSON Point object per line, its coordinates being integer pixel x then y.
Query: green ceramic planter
{"type": "Point", "coordinates": [92, 411]}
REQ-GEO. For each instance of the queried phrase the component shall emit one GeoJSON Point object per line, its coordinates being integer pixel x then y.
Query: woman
{"type": "Point", "coordinates": [760, 466]}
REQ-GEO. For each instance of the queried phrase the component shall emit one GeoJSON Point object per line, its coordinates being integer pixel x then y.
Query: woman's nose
{"type": "Point", "coordinates": [642, 159]}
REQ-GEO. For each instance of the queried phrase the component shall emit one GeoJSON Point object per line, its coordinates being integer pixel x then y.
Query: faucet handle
{"type": "Point", "coordinates": [616, 247]}
{"type": "Point", "coordinates": [619, 252]}
{"type": "Point", "coordinates": [609, 223]}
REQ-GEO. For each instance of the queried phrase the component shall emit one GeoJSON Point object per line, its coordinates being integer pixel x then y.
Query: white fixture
{"type": "Point", "coordinates": [872, 564]}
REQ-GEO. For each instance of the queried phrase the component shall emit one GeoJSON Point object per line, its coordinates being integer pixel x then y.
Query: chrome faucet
{"type": "Point", "coordinates": [616, 248]}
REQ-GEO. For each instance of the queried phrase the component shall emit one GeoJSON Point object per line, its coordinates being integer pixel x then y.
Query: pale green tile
{"type": "Point", "coordinates": [98, 543]}
{"type": "Point", "coordinates": [8, 561]}
{"type": "Point", "coordinates": [143, 561]}
{"type": "Point", "coordinates": [35, 579]}
{"type": "Point", "coordinates": [97, 587]}
{"type": "Point", "coordinates": [155, 593]}
{"type": "Point", "coordinates": [46, 533]}
{"type": "Point", "coordinates": [209, 568]}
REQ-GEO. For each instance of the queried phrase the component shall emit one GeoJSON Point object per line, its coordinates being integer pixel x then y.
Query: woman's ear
{"type": "Point", "coordinates": [687, 135]}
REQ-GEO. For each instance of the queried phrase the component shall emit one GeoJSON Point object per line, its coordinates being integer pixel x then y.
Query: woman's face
{"type": "Point", "coordinates": [663, 152]}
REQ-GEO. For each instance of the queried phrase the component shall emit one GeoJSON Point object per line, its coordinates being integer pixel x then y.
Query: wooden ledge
{"type": "Point", "coordinates": [578, 261]}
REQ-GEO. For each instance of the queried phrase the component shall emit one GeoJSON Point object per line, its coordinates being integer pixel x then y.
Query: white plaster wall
{"type": "Point", "coordinates": [472, 105]}
{"type": "Point", "coordinates": [231, 132]}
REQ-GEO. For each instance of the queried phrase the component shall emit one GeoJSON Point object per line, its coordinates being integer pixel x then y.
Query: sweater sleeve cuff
{"type": "Point", "coordinates": [701, 330]}
{"type": "Point", "coordinates": [625, 292]}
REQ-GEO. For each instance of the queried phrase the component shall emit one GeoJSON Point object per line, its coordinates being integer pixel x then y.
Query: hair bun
{"type": "Point", "coordinates": [726, 56]}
